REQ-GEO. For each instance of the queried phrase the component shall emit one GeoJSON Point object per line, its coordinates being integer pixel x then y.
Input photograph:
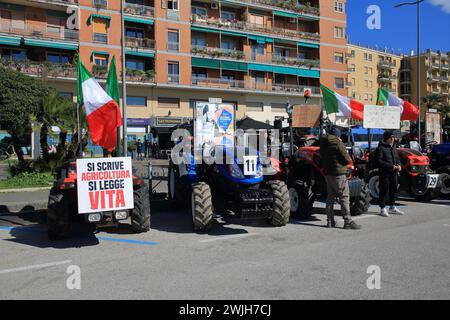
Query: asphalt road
{"type": "Point", "coordinates": [235, 260]}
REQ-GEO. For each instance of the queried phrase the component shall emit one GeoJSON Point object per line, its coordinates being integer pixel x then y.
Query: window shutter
{"type": "Point", "coordinates": [100, 26]}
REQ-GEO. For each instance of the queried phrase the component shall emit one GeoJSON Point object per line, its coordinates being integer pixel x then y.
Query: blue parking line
{"type": "Point", "coordinates": [130, 241]}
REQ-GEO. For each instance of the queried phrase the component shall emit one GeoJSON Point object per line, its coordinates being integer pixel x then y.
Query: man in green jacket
{"type": "Point", "coordinates": [335, 161]}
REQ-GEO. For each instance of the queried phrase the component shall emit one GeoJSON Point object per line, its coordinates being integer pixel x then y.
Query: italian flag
{"type": "Point", "coordinates": [335, 103]}
{"type": "Point", "coordinates": [102, 112]}
{"type": "Point", "coordinates": [409, 111]}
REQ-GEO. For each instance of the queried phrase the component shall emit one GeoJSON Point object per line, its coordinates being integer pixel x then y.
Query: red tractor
{"type": "Point", "coordinates": [416, 177]}
{"type": "Point", "coordinates": [63, 206]}
{"type": "Point", "coordinates": [305, 178]}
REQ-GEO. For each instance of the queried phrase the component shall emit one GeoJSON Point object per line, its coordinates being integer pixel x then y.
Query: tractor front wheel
{"type": "Point", "coordinates": [140, 215]}
{"type": "Point", "coordinates": [361, 203]}
{"type": "Point", "coordinates": [58, 215]}
{"type": "Point", "coordinates": [280, 206]}
{"type": "Point", "coordinates": [201, 207]}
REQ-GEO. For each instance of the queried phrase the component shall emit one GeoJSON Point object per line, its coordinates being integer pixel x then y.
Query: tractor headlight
{"type": "Point", "coordinates": [94, 217]}
{"type": "Point", "coordinates": [121, 215]}
{"type": "Point", "coordinates": [236, 172]}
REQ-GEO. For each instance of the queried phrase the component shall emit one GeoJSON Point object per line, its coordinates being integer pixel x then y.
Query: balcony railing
{"type": "Point", "coordinates": [66, 2]}
{"type": "Point", "coordinates": [435, 65]}
{"type": "Point", "coordinates": [100, 38]}
{"type": "Point", "coordinates": [445, 66]}
{"type": "Point", "coordinates": [173, 46]}
{"type": "Point", "coordinates": [386, 64]}
{"type": "Point", "coordinates": [252, 27]}
{"type": "Point", "coordinates": [310, 63]}
{"type": "Point", "coordinates": [250, 85]}
{"type": "Point", "coordinates": [41, 69]}
{"type": "Point", "coordinates": [173, 78]}
{"type": "Point", "coordinates": [140, 76]}
{"type": "Point", "coordinates": [139, 10]}
{"type": "Point", "coordinates": [444, 79]}
{"type": "Point", "coordinates": [100, 3]}
{"type": "Point", "coordinates": [283, 4]}
{"type": "Point", "coordinates": [217, 53]}
{"type": "Point", "coordinates": [139, 43]}
{"type": "Point", "coordinates": [41, 32]}
{"type": "Point", "coordinates": [386, 78]}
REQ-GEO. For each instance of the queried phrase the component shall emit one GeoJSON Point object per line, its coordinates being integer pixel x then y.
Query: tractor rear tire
{"type": "Point", "coordinates": [201, 207]}
{"type": "Point", "coordinates": [140, 215]}
{"type": "Point", "coordinates": [361, 204]}
{"type": "Point", "coordinates": [445, 182]}
{"type": "Point", "coordinates": [58, 215]}
{"type": "Point", "coordinates": [281, 203]}
{"type": "Point", "coordinates": [178, 188]}
{"type": "Point", "coordinates": [306, 198]}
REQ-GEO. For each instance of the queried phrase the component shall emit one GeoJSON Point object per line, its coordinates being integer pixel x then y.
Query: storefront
{"type": "Point", "coordinates": [161, 130]}
{"type": "Point", "coordinates": [137, 128]}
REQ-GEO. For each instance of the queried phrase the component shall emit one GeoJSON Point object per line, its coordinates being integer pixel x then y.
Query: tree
{"type": "Point", "coordinates": [438, 102]}
{"type": "Point", "coordinates": [55, 111]}
{"type": "Point", "coordinates": [20, 97]}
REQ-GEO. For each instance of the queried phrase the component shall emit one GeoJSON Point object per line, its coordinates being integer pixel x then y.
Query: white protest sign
{"type": "Point", "coordinates": [104, 184]}
{"type": "Point", "coordinates": [381, 117]}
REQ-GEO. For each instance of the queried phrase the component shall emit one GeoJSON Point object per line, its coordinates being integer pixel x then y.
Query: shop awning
{"type": "Point", "coordinates": [308, 45]}
{"type": "Point", "coordinates": [232, 65]}
{"type": "Point", "coordinates": [250, 123]}
{"type": "Point", "coordinates": [201, 29]}
{"type": "Point", "coordinates": [308, 73]}
{"type": "Point", "coordinates": [260, 40]}
{"type": "Point", "coordinates": [260, 67]}
{"type": "Point", "coordinates": [205, 63]}
{"type": "Point", "coordinates": [285, 14]}
{"type": "Point", "coordinates": [99, 16]}
{"type": "Point", "coordinates": [51, 44]}
{"type": "Point", "coordinates": [146, 54]}
{"type": "Point", "coordinates": [103, 53]}
{"type": "Point", "coordinates": [234, 34]}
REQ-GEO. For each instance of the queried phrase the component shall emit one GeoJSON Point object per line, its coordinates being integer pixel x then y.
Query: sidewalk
{"type": "Point", "coordinates": [23, 201]}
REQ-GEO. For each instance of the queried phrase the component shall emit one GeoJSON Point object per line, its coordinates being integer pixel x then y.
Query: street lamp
{"type": "Point", "coordinates": [418, 56]}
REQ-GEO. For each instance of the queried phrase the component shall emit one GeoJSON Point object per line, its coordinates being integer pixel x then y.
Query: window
{"type": "Point", "coordinates": [100, 59]}
{"type": "Point", "coordinates": [173, 72]}
{"type": "Point", "coordinates": [100, 3]}
{"type": "Point", "coordinates": [256, 50]}
{"type": "Point", "coordinates": [368, 56]}
{"type": "Point", "coordinates": [170, 4]}
{"type": "Point", "coordinates": [173, 103]}
{"type": "Point", "coordinates": [57, 58]}
{"type": "Point", "coordinates": [135, 64]}
{"type": "Point", "coordinates": [199, 11]}
{"type": "Point", "coordinates": [228, 77]}
{"type": "Point", "coordinates": [229, 44]}
{"type": "Point", "coordinates": [259, 77]}
{"type": "Point", "coordinates": [339, 58]}
{"type": "Point", "coordinates": [339, 33]}
{"type": "Point", "coordinates": [136, 101]}
{"type": "Point", "coordinates": [198, 75]}
{"type": "Point", "coordinates": [173, 40]}
{"type": "Point", "coordinates": [338, 6]}
{"type": "Point", "coordinates": [54, 24]}
{"type": "Point", "coordinates": [134, 33]}
{"type": "Point", "coordinates": [198, 41]}
{"type": "Point", "coordinates": [255, 106]}
{"type": "Point", "coordinates": [339, 83]}
{"type": "Point", "coordinates": [13, 54]}
{"type": "Point", "coordinates": [100, 28]}
{"type": "Point", "coordinates": [228, 16]}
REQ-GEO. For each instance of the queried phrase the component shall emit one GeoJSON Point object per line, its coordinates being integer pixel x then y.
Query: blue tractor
{"type": "Point", "coordinates": [208, 188]}
{"type": "Point", "coordinates": [440, 163]}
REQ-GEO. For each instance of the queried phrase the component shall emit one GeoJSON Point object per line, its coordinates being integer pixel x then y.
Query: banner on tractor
{"type": "Point", "coordinates": [214, 124]}
{"type": "Point", "coordinates": [381, 117]}
{"type": "Point", "coordinates": [306, 116]}
{"type": "Point", "coordinates": [104, 184]}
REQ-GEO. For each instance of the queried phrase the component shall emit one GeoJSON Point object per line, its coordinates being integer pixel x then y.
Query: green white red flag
{"type": "Point", "coordinates": [335, 103]}
{"type": "Point", "coordinates": [102, 111]}
{"type": "Point", "coordinates": [409, 111]}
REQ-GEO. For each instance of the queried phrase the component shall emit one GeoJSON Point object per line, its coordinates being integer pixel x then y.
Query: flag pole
{"type": "Point", "coordinates": [124, 83]}
{"type": "Point", "coordinates": [80, 143]}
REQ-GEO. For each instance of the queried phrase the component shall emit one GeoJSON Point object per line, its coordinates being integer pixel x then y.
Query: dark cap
{"type": "Point", "coordinates": [335, 132]}
{"type": "Point", "coordinates": [387, 135]}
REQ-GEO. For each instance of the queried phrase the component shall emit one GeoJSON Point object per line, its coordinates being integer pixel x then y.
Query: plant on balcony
{"type": "Point", "coordinates": [127, 10]}
{"type": "Point", "coordinates": [99, 70]}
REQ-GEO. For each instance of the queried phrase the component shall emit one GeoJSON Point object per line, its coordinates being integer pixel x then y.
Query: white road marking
{"type": "Point", "coordinates": [37, 266]}
{"type": "Point", "coordinates": [233, 236]}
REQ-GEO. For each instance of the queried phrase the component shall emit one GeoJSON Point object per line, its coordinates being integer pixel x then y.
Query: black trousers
{"type": "Point", "coordinates": [388, 189]}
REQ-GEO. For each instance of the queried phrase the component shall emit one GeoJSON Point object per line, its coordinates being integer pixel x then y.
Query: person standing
{"type": "Point", "coordinates": [140, 150]}
{"type": "Point", "coordinates": [388, 162]}
{"type": "Point", "coordinates": [335, 160]}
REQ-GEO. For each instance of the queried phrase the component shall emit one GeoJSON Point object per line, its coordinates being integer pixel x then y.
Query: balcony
{"type": "Point", "coordinates": [139, 10]}
{"type": "Point", "coordinates": [133, 75]}
{"type": "Point", "coordinates": [58, 2]}
{"type": "Point", "coordinates": [286, 5]}
{"type": "Point", "coordinates": [445, 66]}
{"type": "Point", "coordinates": [434, 78]}
{"type": "Point", "coordinates": [41, 69]}
{"type": "Point", "coordinates": [139, 43]}
{"type": "Point", "coordinates": [386, 78]}
{"type": "Point", "coordinates": [307, 63]}
{"type": "Point", "coordinates": [435, 65]}
{"type": "Point", "coordinates": [217, 53]}
{"type": "Point", "coordinates": [250, 85]}
{"type": "Point", "coordinates": [443, 79]}
{"type": "Point", "coordinates": [386, 65]}
{"type": "Point", "coordinates": [41, 32]}
{"type": "Point", "coordinates": [251, 27]}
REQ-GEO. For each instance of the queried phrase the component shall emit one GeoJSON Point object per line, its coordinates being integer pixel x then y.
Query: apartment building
{"type": "Point", "coordinates": [257, 54]}
{"type": "Point", "coordinates": [435, 76]}
{"type": "Point", "coordinates": [369, 70]}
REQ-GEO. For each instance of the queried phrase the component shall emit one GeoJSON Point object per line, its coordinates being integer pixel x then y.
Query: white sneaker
{"type": "Point", "coordinates": [384, 213]}
{"type": "Point", "coordinates": [395, 210]}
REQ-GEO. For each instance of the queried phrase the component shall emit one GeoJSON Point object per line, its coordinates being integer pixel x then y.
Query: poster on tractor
{"type": "Point", "coordinates": [306, 116]}
{"type": "Point", "coordinates": [433, 127]}
{"type": "Point", "coordinates": [381, 117]}
{"type": "Point", "coordinates": [214, 124]}
{"type": "Point", "coordinates": [104, 184]}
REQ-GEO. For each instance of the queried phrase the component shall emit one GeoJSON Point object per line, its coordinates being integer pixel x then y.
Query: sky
{"type": "Point", "coordinates": [399, 25]}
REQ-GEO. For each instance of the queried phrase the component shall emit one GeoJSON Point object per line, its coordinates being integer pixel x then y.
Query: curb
{"type": "Point", "coordinates": [24, 190]}
{"type": "Point", "coordinates": [22, 207]}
